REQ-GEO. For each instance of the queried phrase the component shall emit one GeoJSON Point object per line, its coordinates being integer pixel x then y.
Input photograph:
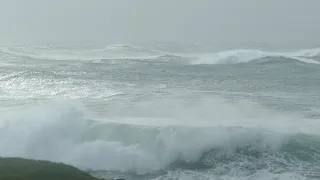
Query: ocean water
{"type": "Point", "coordinates": [125, 111]}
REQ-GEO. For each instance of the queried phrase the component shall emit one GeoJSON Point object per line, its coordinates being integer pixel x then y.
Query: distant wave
{"type": "Point", "coordinates": [164, 58]}
{"type": "Point", "coordinates": [245, 56]}
{"type": "Point", "coordinates": [126, 47]}
{"type": "Point", "coordinates": [170, 57]}
{"type": "Point", "coordinates": [110, 52]}
{"type": "Point", "coordinates": [45, 54]}
{"type": "Point", "coordinates": [124, 51]}
{"type": "Point", "coordinates": [315, 52]}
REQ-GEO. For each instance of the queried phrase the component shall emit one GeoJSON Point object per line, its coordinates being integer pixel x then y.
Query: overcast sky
{"type": "Point", "coordinates": [129, 21]}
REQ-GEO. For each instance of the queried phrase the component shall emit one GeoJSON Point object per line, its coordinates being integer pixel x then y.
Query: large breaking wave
{"type": "Point", "coordinates": [229, 141]}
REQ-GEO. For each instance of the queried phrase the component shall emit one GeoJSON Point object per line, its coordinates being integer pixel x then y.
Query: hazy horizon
{"type": "Point", "coordinates": [163, 89]}
{"type": "Point", "coordinates": [205, 22]}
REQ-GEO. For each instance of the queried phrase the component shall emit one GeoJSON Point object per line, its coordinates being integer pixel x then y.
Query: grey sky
{"type": "Point", "coordinates": [129, 21]}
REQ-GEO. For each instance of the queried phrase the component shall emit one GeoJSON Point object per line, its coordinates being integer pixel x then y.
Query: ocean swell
{"type": "Point", "coordinates": [90, 54]}
{"type": "Point", "coordinates": [130, 52]}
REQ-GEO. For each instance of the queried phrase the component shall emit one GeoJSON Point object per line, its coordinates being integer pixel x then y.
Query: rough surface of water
{"type": "Point", "coordinates": [139, 113]}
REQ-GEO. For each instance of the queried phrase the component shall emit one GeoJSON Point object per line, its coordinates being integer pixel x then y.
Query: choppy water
{"type": "Point", "coordinates": [141, 113]}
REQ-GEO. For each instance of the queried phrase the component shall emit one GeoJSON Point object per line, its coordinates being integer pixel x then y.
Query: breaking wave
{"type": "Point", "coordinates": [251, 56]}
{"type": "Point", "coordinates": [123, 51]}
{"type": "Point", "coordinates": [60, 133]}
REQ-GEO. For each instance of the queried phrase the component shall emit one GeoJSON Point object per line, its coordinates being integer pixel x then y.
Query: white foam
{"type": "Point", "coordinates": [207, 175]}
{"type": "Point", "coordinates": [314, 52]}
{"type": "Point", "coordinates": [243, 56]}
{"type": "Point", "coordinates": [124, 51]}
{"type": "Point", "coordinates": [60, 133]}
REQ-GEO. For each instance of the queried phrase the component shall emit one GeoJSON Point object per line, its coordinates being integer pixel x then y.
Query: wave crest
{"type": "Point", "coordinates": [110, 52]}
{"type": "Point", "coordinates": [124, 51]}
{"type": "Point", "coordinates": [60, 133]}
{"type": "Point", "coordinates": [245, 56]}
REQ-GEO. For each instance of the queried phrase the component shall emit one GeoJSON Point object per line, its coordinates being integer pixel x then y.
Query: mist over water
{"type": "Point", "coordinates": [163, 90]}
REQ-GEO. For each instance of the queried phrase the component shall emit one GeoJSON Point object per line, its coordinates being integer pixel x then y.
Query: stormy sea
{"type": "Point", "coordinates": [163, 112]}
